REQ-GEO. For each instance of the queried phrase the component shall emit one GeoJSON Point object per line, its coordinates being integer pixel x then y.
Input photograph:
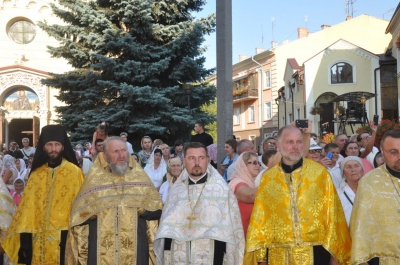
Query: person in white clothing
{"type": "Point", "coordinates": [27, 150]}
{"type": "Point", "coordinates": [352, 170]}
{"type": "Point", "coordinates": [174, 168]}
{"type": "Point", "coordinates": [156, 168]}
{"type": "Point", "coordinates": [268, 161]}
{"type": "Point", "coordinates": [124, 137]}
{"type": "Point", "coordinates": [333, 168]}
{"type": "Point", "coordinates": [366, 142]}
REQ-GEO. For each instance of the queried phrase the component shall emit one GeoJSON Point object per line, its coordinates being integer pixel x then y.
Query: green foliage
{"type": "Point", "coordinates": [211, 108]}
{"type": "Point", "coordinates": [129, 59]}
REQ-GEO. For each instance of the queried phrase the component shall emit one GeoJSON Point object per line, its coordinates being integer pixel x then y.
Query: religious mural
{"type": "Point", "coordinates": [22, 99]}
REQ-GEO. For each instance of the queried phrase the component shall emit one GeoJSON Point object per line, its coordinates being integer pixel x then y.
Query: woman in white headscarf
{"type": "Point", "coordinates": [174, 169]}
{"type": "Point", "coordinates": [21, 167]}
{"type": "Point", "coordinates": [7, 207]}
{"type": "Point", "coordinates": [352, 172]}
{"type": "Point", "coordinates": [243, 184]}
{"type": "Point", "coordinates": [156, 167]}
{"type": "Point", "coordinates": [9, 172]}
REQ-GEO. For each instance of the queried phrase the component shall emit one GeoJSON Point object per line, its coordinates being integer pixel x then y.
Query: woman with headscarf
{"type": "Point", "coordinates": [243, 185]}
{"type": "Point", "coordinates": [7, 207]}
{"type": "Point", "coordinates": [16, 193]}
{"type": "Point", "coordinates": [9, 172]}
{"type": "Point", "coordinates": [21, 167]}
{"type": "Point", "coordinates": [156, 167]}
{"type": "Point", "coordinates": [352, 171]}
{"type": "Point", "coordinates": [174, 170]}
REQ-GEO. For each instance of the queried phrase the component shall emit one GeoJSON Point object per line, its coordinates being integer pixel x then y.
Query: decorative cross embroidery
{"type": "Point", "coordinates": [122, 205]}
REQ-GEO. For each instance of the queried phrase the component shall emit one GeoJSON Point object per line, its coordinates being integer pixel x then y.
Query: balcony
{"type": "Point", "coordinates": [244, 95]}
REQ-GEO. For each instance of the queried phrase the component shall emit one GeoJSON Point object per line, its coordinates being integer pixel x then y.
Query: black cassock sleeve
{"type": "Point", "coordinates": [142, 241]}
{"type": "Point", "coordinates": [25, 249]}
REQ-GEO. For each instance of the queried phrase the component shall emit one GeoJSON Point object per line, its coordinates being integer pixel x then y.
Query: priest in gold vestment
{"type": "Point", "coordinates": [297, 217]}
{"type": "Point", "coordinates": [38, 231]}
{"type": "Point", "coordinates": [375, 218]}
{"type": "Point", "coordinates": [111, 216]}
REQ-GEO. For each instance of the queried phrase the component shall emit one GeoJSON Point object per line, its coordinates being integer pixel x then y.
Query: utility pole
{"type": "Point", "coordinates": [224, 75]}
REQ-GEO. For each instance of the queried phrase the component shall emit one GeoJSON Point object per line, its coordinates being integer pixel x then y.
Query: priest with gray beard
{"type": "Point", "coordinates": [115, 212]}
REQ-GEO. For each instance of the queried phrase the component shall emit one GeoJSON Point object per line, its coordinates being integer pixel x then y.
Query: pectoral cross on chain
{"type": "Point", "coordinates": [122, 205]}
{"type": "Point", "coordinates": [191, 218]}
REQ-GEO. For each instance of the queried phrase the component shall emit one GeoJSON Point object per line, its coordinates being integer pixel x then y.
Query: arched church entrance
{"type": "Point", "coordinates": [19, 115]}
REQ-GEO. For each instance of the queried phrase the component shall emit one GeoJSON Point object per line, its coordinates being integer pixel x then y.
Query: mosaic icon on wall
{"type": "Point", "coordinates": [22, 100]}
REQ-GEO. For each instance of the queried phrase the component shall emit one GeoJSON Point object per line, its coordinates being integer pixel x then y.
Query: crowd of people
{"type": "Point", "coordinates": [299, 201]}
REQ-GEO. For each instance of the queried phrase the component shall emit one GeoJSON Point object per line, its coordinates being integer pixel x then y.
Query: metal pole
{"type": "Point", "coordinates": [291, 91]}
{"type": "Point", "coordinates": [284, 100]}
{"type": "Point", "coordinates": [261, 104]}
{"type": "Point", "coordinates": [376, 90]}
{"type": "Point", "coordinates": [224, 75]}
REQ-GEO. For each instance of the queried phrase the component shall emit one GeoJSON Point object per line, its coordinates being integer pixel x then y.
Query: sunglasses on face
{"type": "Point", "coordinates": [319, 151]}
{"type": "Point", "coordinates": [255, 163]}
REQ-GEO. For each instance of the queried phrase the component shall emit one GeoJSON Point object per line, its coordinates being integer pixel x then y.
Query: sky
{"type": "Point", "coordinates": [252, 21]}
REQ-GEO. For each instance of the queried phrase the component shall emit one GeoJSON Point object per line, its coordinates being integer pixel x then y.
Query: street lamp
{"type": "Point", "coordinates": [281, 94]}
{"type": "Point", "coordinates": [277, 100]}
{"type": "Point", "coordinates": [188, 89]}
{"type": "Point", "coordinates": [291, 87]}
{"type": "Point", "coordinates": [363, 100]}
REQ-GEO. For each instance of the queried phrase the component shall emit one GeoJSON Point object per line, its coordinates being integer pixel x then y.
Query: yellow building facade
{"type": "Point", "coordinates": [288, 78]}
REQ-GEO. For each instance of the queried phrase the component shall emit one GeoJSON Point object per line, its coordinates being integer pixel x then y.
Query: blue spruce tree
{"type": "Point", "coordinates": [130, 59]}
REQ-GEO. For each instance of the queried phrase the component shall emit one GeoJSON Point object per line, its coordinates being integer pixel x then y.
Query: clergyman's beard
{"type": "Point", "coordinates": [119, 170]}
{"type": "Point", "coordinates": [54, 160]}
{"type": "Point", "coordinates": [291, 157]}
{"type": "Point", "coordinates": [198, 173]}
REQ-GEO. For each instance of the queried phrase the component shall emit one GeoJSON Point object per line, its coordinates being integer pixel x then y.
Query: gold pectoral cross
{"type": "Point", "coordinates": [191, 218]}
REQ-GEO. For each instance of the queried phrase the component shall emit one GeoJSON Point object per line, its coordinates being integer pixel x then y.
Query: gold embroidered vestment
{"type": "Point", "coordinates": [115, 201]}
{"type": "Point", "coordinates": [294, 212]}
{"type": "Point", "coordinates": [44, 212]}
{"type": "Point", "coordinates": [375, 219]}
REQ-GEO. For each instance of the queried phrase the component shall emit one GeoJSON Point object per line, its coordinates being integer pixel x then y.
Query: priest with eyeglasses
{"type": "Point", "coordinates": [375, 219]}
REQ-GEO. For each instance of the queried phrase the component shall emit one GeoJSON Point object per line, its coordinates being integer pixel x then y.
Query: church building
{"type": "Point", "coordinates": [26, 105]}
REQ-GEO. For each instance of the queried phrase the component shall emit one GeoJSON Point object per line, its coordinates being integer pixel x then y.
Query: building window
{"type": "Point", "coordinates": [236, 116]}
{"type": "Point", "coordinates": [290, 117]}
{"type": "Point", "coordinates": [22, 31]}
{"type": "Point", "coordinates": [298, 113]}
{"type": "Point", "coordinates": [267, 111]}
{"type": "Point", "coordinates": [341, 73]}
{"type": "Point", "coordinates": [267, 79]}
{"type": "Point", "coordinates": [251, 113]}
